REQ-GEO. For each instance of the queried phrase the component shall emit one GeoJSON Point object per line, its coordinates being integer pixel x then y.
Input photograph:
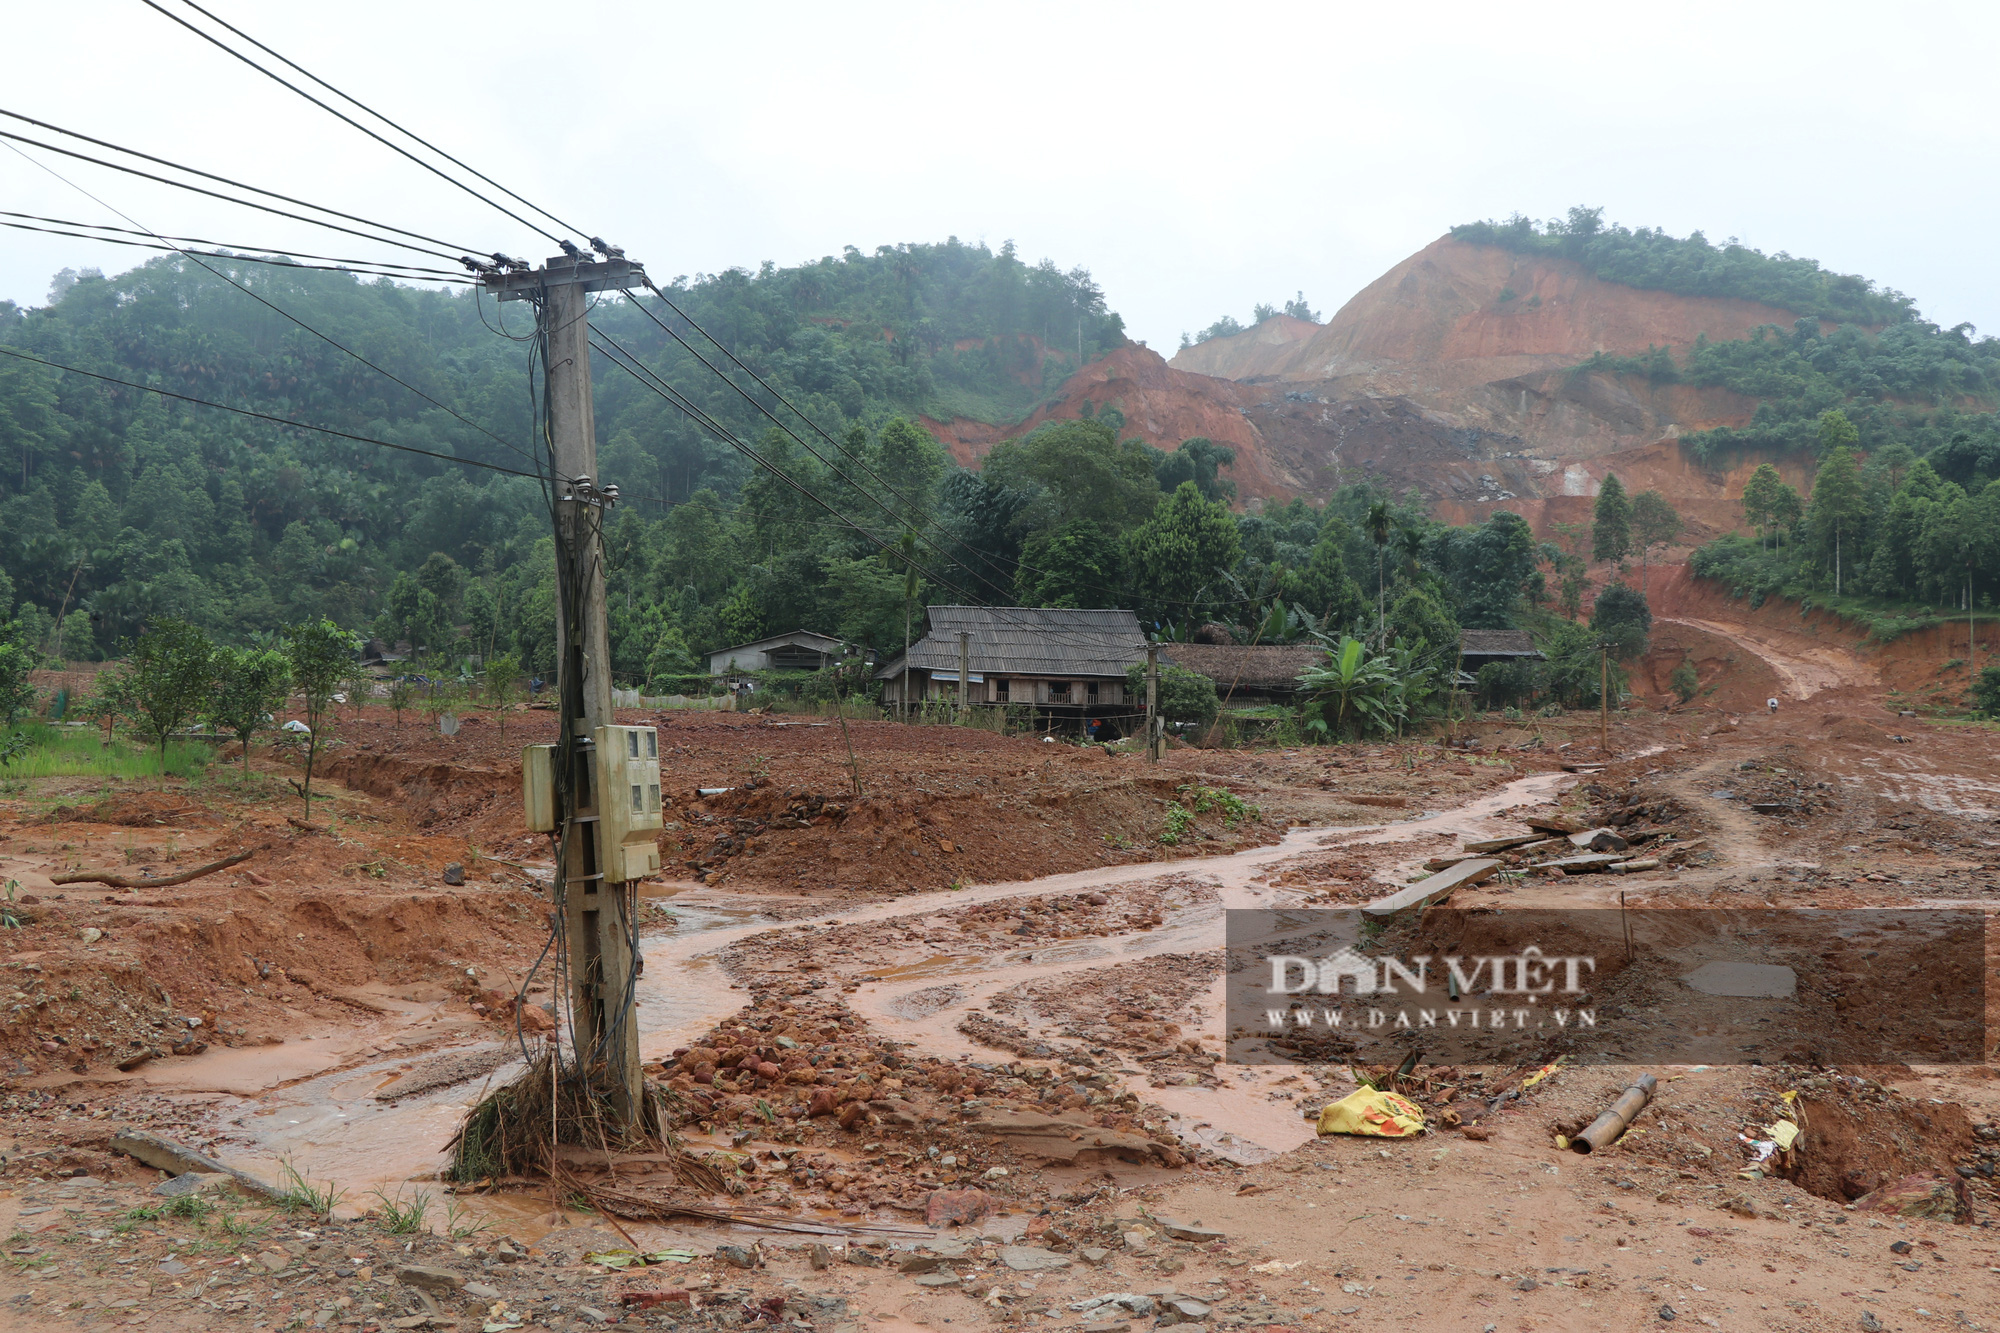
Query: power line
{"type": "Point", "coordinates": [384, 119]}
{"type": "Point", "coordinates": [362, 266]}
{"type": "Point", "coordinates": [265, 416]}
{"type": "Point", "coordinates": [209, 175]}
{"type": "Point", "coordinates": [271, 305]}
{"type": "Point", "coordinates": [221, 45]}
{"type": "Point", "coordinates": [228, 245]}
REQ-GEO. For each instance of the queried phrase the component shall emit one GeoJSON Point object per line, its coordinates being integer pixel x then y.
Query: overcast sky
{"type": "Point", "coordinates": [1196, 159]}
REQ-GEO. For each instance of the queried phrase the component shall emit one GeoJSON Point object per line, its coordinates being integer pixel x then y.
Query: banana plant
{"type": "Point", "coordinates": [1351, 681]}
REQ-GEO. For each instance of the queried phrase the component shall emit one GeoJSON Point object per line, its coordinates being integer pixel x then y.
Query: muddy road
{"type": "Point", "coordinates": [1024, 1006]}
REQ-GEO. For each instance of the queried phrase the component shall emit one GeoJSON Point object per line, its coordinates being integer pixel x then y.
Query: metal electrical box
{"type": "Point", "coordinates": [628, 802]}
{"type": "Point", "coordinates": [538, 787]}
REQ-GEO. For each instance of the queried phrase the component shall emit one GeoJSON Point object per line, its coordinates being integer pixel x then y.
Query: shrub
{"type": "Point", "coordinates": [1185, 696]}
{"type": "Point", "coordinates": [1986, 691]}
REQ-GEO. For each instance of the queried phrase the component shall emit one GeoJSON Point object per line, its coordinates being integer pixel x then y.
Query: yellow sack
{"type": "Point", "coordinates": [1373, 1112]}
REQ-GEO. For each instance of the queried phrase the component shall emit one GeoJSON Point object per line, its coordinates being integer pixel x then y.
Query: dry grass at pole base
{"type": "Point", "coordinates": [526, 1128]}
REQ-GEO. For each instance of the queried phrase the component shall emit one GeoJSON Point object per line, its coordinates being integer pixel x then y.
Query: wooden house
{"type": "Point", "coordinates": [1066, 663]}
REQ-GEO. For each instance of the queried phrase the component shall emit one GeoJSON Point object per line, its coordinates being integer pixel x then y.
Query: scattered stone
{"type": "Point", "coordinates": [1095, 1256]}
{"type": "Point", "coordinates": [1667, 1314]}
{"type": "Point", "coordinates": [1900, 1247]}
{"type": "Point", "coordinates": [918, 1263]}
{"type": "Point", "coordinates": [1869, 1323]}
{"type": "Point", "coordinates": [944, 1277]}
{"type": "Point", "coordinates": [484, 1291]}
{"type": "Point", "coordinates": [1187, 1307]}
{"type": "Point", "coordinates": [1920, 1196]}
{"type": "Point", "coordinates": [193, 1182]}
{"type": "Point", "coordinates": [1030, 1259]}
{"type": "Point", "coordinates": [821, 1258]}
{"type": "Point", "coordinates": [965, 1207]}
{"type": "Point", "coordinates": [440, 1281]}
{"type": "Point", "coordinates": [1190, 1231]}
{"type": "Point", "coordinates": [454, 874]}
{"type": "Point", "coordinates": [736, 1256]}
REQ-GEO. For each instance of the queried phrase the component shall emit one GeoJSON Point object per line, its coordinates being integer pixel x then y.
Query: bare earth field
{"type": "Point", "coordinates": [953, 1041]}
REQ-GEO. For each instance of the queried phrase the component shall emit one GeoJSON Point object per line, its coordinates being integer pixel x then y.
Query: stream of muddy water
{"type": "Point", "coordinates": [313, 1102]}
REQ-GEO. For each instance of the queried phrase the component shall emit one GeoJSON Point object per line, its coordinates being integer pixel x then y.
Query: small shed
{"type": "Point", "coordinates": [1246, 675]}
{"type": "Point", "coordinates": [801, 650]}
{"type": "Point", "coordinates": [1066, 662]}
{"type": "Point", "coordinates": [1477, 647]}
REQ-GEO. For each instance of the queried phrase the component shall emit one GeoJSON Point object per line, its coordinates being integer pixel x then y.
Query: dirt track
{"type": "Point", "coordinates": [1066, 978]}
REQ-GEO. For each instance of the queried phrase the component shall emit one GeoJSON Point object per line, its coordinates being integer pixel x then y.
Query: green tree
{"type": "Point", "coordinates": [401, 694]}
{"type": "Point", "coordinates": [1324, 588]}
{"type": "Point", "coordinates": [500, 686]}
{"type": "Point", "coordinates": [1077, 471]}
{"type": "Point", "coordinates": [170, 679]}
{"type": "Point", "coordinates": [1654, 523]}
{"type": "Point", "coordinates": [1200, 461]}
{"type": "Point", "coordinates": [1786, 508]}
{"type": "Point", "coordinates": [912, 462]}
{"type": "Point", "coordinates": [1077, 565]}
{"type": "Point", "coordinates": [320, 653]}
{"type": "Point", "coordinates": [1986, 691]}
{"type": "Point", "coordinates": [1836, 432]}
{"type": "Point", "coordinates": [1183, 695]}
{"type": "Point", "coordinates": [1611, 522]}
{"type": "Point", "coordinates": [1684, 681]}
{"type": "Point", "coordinates": [1760, 495]}
{"type": "Point", "coordinates": [251, 685]}
{"type": "Point", "coordinates": [16, 694]}
{"type": "Point", "coordinates": [1622, 619]}
{"type": "Point", "coordinates": [1181, 554]}
{"type": "Point", "coordinates": [1838, 508]}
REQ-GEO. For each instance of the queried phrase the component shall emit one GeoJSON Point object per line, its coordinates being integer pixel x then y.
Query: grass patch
{"type": "Point", "coordinates": [67, 752]}
{"type": "Point", "coordinates": [302, 1196]}
{"type": "Point", "coordinates": [194, 1207]}
{"type": "Point", "coordinates": [403, 1219]}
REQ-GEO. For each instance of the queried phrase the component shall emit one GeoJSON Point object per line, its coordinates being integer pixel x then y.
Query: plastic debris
{"type": "Point", "coordinates": [1372, 1112]}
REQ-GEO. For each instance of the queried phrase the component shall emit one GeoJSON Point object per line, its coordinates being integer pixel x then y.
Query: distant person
{"type": "Point", "coordinates": [1772, 704]}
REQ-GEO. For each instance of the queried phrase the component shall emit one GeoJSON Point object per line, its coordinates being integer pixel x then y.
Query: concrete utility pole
{"type": "Point", "coordinates": [964, 669]}
{"type": "Point", "coordinates": [1152, 701]}
{"type": "Point", "coordinates": [596, 914]}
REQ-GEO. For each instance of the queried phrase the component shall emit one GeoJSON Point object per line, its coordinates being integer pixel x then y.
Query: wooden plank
{"type": "Point", "coordinates": [1460, 875]}
{"type": "Point", "coordinates": [1502, 844]}
{"type": "Point", "coordinates": [1632, 867]}
{"type": "Point", "coordinates": [1549, 824]}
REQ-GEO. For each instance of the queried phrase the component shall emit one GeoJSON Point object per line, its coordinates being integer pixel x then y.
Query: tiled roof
{"type": "Point", "coordinates": [1029, 640]}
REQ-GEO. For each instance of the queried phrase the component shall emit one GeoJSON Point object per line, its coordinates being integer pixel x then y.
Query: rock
{"type": "Point", "coordinates": [824, 1101]}
{"type": "Point", "coordinates": [91, 934]}
{"type": "Point", "coordinates": [1030, 1259]}
{"type": "Point", "coordinates": [1108, 1326]}
{"type": "Point", "coordinates": [438, 1281]}
{"type": "Point", "coordinates": [1901, 1247]}
{"type": "Point", "coordinates": [132, 1062]}
{"type": "Point", "coordinates": [1599, 840]}
{"type": "Point", "coordinates": [1190, 1231]}
{"type": "Point", "coordinates": [454, 874]}
{"type": "Point", "coordinates": [273, 1260]}
{"type": "Point", "coordinates": [1095, 1256]}
{"type": "Point", "coordinates": [919, 1263]}
{"type": "Point", "coordinates": [193, 1182]}
{"type": "Point", "coordinates": [964, 1207]}
{"type": "Point", "coordinates": [1869, 1323]}
{"type": "Point", "coordinates": [1667, 1314]}
{"type": "Point", "coordinates": [1058, 1139]}
{"type": "Point", "coordinates": [821, 1257]}
{"type": "Point", "coordinates": [172, 1267]}
{"type": "Point", "coordinates": [736, 1256]}
{"type": "Point", "coordinates": [484, 1291]}
{"type": "Point", "coordinates": [593, 1314]}
{"type": "Point", "coordinates": [167, 1155]}
{"type": "Point", "coordinates": [944, 1277]}
{"type": "Point", "coordinates": [1920, 1196]}
{"type": "Point", "coordinates": [1187, 1307]}
{"type": "Point", "coordinates": [1138, 1242]}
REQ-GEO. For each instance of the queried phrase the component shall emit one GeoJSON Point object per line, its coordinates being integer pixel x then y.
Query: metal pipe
{"type": "Point", "coordinates": [1605, 1130]}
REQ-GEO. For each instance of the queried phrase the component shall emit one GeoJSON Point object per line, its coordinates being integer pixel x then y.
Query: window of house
{"type": "Point", "coordinates": [1058, 691]}
{"type": "Point", "coordinates": [1090, 692]}
{"type": "Point", "coordinates": [1000, 690]}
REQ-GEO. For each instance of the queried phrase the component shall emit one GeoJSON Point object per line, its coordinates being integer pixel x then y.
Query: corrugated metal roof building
{"type": "Point", "coordinates": [1043, 656]}
{"type": "Point", "coordinates": [1480, 646]}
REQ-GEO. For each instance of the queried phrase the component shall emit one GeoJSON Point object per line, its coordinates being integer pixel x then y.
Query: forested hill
{"type": "Point", "coordinates": [1693, 266]}
{"type": "Point", "coordinates": [129, 505]}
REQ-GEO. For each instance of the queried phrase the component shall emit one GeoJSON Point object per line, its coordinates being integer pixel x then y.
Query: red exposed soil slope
{"type": "Point", "coordinates": [1443, 322]}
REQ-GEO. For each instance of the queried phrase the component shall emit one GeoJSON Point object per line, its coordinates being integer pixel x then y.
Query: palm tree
{"type": "Point", "coordinates": [1378, 524]}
